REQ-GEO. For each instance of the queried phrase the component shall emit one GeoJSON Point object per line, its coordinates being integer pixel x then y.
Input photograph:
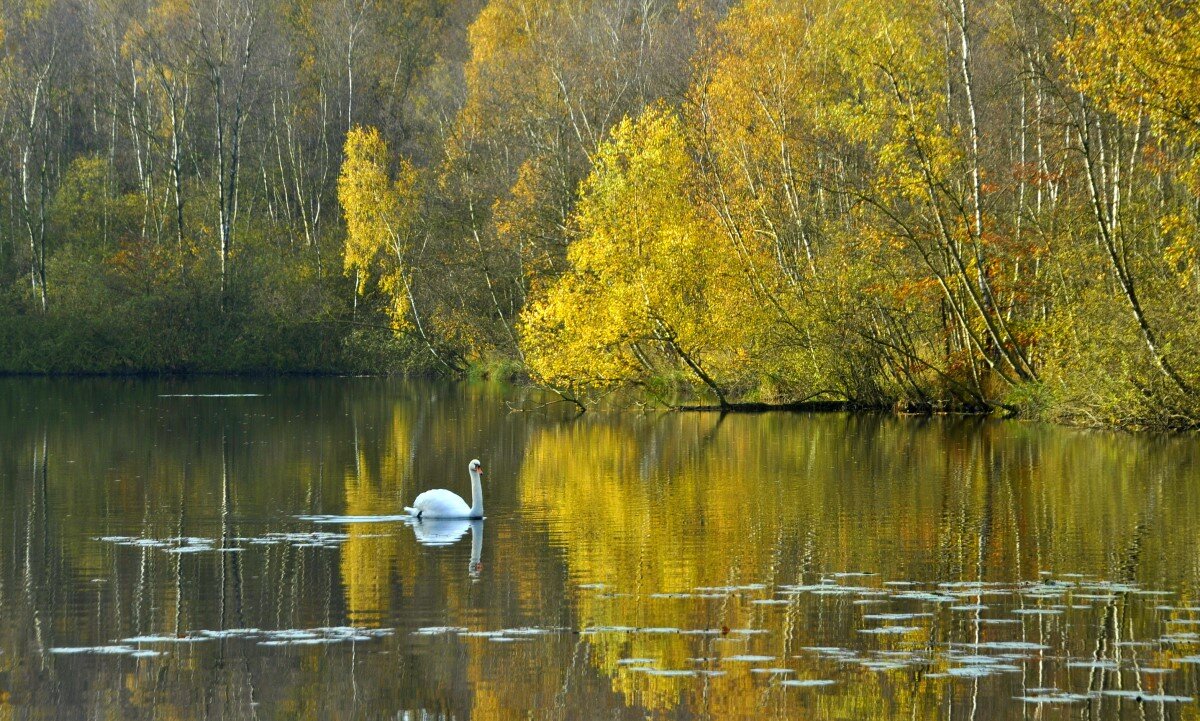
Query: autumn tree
{"type": "Point", "coordinates": [1134, 118]}
{"type": "Point", "coordinates": [381, 211]}
{"type": "Point", "coordinates": [652, 288]}
{"type": "Point", "coordinates": [933, 204]}
{"type": "Point", "coordinates": [545, 84]}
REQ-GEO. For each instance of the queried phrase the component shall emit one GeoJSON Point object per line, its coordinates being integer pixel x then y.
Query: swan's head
{"type": "Point", "coordinates": [476, 468]}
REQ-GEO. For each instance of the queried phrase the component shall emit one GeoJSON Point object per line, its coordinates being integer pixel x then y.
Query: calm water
{"type": "Point", "coordinates": [172, 555]}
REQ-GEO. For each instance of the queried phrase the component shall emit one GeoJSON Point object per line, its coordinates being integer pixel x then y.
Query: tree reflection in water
{"type": "Point", "coordinates": [673, 565]}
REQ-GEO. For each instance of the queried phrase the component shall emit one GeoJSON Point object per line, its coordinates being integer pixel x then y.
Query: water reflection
{"type": "Point", "coordinates": [447, 532]}
{"type": "Point", "coordinates": [234, 549]}
{"type": "Point", "coordinates": [440, 532]}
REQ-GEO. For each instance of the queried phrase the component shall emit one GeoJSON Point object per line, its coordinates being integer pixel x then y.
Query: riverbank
{"type": "Point", "coordinates": [510, 374]}
{"type": "Point", "coordinates": [191, 343]}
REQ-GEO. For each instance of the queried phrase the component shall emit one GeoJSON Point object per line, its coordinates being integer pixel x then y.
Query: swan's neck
{"type": "Point", "coordinates": [476, 495]}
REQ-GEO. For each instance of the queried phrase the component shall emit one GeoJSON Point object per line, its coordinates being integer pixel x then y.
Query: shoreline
{"type": "Point", "coordinates": [899, 409]}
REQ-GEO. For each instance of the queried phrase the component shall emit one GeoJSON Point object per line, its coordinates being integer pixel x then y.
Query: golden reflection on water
{"type": "Point", "coordinates": [370, 557]}
{"type": "Point", "coordinates": [648, 517]}
{"type": "Point", "coordinates": [619, 549]}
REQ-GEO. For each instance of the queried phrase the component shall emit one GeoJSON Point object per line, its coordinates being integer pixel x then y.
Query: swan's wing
{"type": "Point", "coordinates": [440, 502]}
{"type": "Point", "coordinates": [434, 497]}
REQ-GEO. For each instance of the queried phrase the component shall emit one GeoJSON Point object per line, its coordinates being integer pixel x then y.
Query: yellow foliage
{"type": "Point", "coordinates": [371, 561]}
{"type": "Point", "coordinates": [652, 285]}
{"type": "Point", "coordinates": [767, 98]}
{"type": "Point", "coordinates": [380, 214]}
{"type": "Point", "coordinates": [1137, 58]}
{"type": "Point", "coordinates": [507, 71]}
{"type": "Point", "coordinates": [1180, 230]}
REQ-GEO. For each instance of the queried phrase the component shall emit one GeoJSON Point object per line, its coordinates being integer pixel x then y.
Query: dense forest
{"type": "Point", "coordinates": [934, 204]}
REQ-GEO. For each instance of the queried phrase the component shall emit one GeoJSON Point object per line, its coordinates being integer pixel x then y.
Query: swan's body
{"type": "Point", "coordinates": [440, 503]}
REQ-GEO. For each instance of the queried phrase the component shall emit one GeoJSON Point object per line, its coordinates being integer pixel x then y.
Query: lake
{"type": "Point", "coordinates": [222, 548]}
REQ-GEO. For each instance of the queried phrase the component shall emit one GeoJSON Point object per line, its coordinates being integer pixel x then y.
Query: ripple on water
{"type": "Point", "coordinates": [667, 672]}
{"type": "Point", "coordinates": [1147, 697]}
{"type": "Point", "coordinates": [979, 671]}
{"type": "Point", "coordinates": [890, 630]}
{"type": "Point", "coordinates": [949, 661]}
{"type": "Point", "coordinates": [1102, 664]}
{"type": "Point", "coordinates": [1054, 697]}
{"type": "Point", "coordinates": [924, 596]}
{"type": "Point", "coordinates": [329, 519]}
{"type": "Point", "coordinates": [895, 616]}
{"type": "Point", "coordinates": [1004, 645]}
{"type": "Point", "coordinates": [164, 639]}
{"type": "Point", "coordinates": [438, 630]}
{"type": "Point", "coordinates": [976, 659]}
{"type": "Point", "coordinates": [99, 650]}
{"type": "Point", "coordinates": [956, 660]}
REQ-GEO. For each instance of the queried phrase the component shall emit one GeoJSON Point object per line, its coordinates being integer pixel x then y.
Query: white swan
{"type": "Point", "coordinates": [440, 503]}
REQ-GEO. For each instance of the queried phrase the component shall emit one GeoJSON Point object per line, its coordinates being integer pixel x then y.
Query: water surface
{"type": "Point", "coordinates": [220, 548]}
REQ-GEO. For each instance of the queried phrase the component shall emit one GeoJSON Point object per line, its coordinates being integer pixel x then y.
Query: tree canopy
{"type": "Point", "coordinates": [957, 204]}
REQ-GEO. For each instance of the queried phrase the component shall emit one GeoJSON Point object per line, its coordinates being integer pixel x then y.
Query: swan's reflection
{"type": "Point", "coordinates": [447, 532]}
